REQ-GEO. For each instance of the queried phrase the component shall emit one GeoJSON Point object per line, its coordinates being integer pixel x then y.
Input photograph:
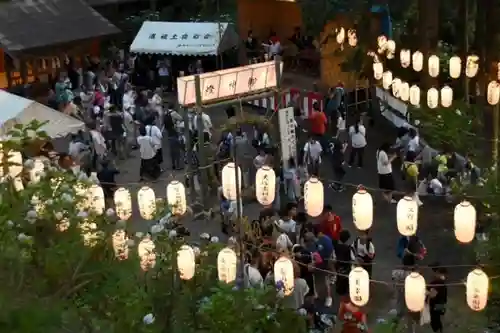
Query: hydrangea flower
{"type": "Point", "coordinates": [58, 215]}
{"type": "Point", "coordinates": [172, 234]}
{"type": "Point", "coordinates": [82, 214]}
{"type": "Point", "coordinates": [157, 228]}
{"type": "Point", "coordinates": [110, 212]}
{"type": "Point", "coordinates": [148, 319]}
{"type": "Point", "coordinates": [139, 234]}
{"type": "Point", "coordinates": [214, 239]}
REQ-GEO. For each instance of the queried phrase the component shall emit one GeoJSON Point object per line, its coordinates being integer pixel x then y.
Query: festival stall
{"type": "Point", "coordinates": [19, 110]}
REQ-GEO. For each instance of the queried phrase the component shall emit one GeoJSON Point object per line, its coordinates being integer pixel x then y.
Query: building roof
{"type": "Point", "coordinates": [97, 3]}
{"type": "Point", "coordinates": [29, 24]}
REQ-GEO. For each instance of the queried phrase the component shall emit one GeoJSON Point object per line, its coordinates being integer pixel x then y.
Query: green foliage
{"type": "Point", "coordinates": [59, 272]}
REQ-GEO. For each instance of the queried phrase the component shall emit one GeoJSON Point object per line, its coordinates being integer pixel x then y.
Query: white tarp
{"type": "Point", "coordinates": [184, 38]}
{"type": "Point", "coordinates": [19, 110]}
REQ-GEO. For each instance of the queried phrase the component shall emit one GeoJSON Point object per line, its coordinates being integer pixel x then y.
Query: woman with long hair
{"type": "Point", "coordinates": [357, 136]}
{"type": "Point", "coordinates": [384, 170]}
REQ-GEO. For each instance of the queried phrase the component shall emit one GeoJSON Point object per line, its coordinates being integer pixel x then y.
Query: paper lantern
{"type": "Point", "coordinates": [455, 67]}
{"type": "Point", "coordinates": [477, 287]}
{"type": "Point", "coordinates": [472, 66]}
{"type": "Point", "coordinates": [407, 216]}
{"type": "Point", "coordinates": [446, 96]}
{"type": "Point", "coordinates": [432, 98]}
{"type": "Point", "coordinates": [417, 60]}
{"type": "Point", "coordinates": [387, 79]}
{"type": "Point", "coordinates": [415, 292]}
{"type": "Point", "coordinates": [229, 181]}
{"type": "Point", "coordinates": [95, 198]}
{"type": "Point", "coordinates": [391, 46]}
{"type": "Point", "coordinates": [283, 274]}
{"type": "Point", "coordinates": [352, 37]}
{"type": "Point", "coordinates": [18, 184]}
{"type": "Point", "coordinates": [313, 197]}
{"type": "Point", "coordinates": [186, 262]}
{"type": "Point", "coordinates": [176, 197]}
{"type": "Point", "coordinates": [404, 91]}
{"type": "Point", "coordinates": [123, 203]}
{"type": "Point", "coordinates": [378, 70]}
{"type": "Point", "coordinates": [146, 252]}
{"type": "Point", "coordinates": [362, 209]}
{"type": "Point", "coordinates": [414, 95]}
{"type": "Point", "coordinates": [120, 244]}
{"type": "Point", "coordinates": [405, 58]}
{"type": "Point", "coordinates": [465, 222]}
{"type": "Point", "coordinates": [227, 265]}
{"type": "Point", "coordinates": [14, 164]}
{"type": "Point", "coordinates": [382, 43]}
{"type": "Point", "coordinates": [396, 85]}
{"type": "Point", "coordinates": [146, 199]}
{"type": "Point", "coordinates": [493, 93]}
{"type": "Point", "coordinates": [359, 286]}
{"type": "Point", "coordinates": [433, 65]}
{"type": "Point", "coordinates": [265, 185]}
{"type": "Point", "coordinates": [498, 71]}
{"type": "Point", "coordinates": [37, 170]}
{"type": "Point", "coordinates": [340, 35]}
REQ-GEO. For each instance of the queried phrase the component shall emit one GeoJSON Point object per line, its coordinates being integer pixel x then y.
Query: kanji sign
{"type": "Point", "coordinates": [228, 83]}
{"type": "Point", "coordinates": [286, 120]}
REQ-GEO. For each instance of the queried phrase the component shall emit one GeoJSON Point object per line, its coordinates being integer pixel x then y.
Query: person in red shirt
{"type": "Point", "coordinates": [330, 225]}
{"type": "Point", "coordinates": [318, 122]}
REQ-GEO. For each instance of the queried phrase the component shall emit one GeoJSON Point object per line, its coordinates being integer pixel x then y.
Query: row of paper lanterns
{"type": "Point", "coordinates": [477, 283]}
{"type": "Point", "coordinates": [362, 203]}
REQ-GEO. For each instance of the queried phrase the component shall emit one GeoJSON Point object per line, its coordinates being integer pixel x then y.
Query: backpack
{"type": "Point", "coordinates": [168, 122]}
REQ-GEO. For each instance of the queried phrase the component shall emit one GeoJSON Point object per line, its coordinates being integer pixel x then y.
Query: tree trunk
{"type": "Point", "coordinates": [428, 17]}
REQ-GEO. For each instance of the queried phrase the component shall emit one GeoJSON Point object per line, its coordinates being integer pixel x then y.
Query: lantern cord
{"type": "Point", "coordinates": [387, 283]}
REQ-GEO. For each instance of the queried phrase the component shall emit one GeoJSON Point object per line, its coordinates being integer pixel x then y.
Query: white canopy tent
{"type": "Point", "coordinates": [184, 38]}
{"type": "Point", "coordinates": [19, 110]}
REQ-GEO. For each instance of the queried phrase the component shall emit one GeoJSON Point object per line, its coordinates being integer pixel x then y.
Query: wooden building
{"type": "Point", "coordinates": [36, 36]}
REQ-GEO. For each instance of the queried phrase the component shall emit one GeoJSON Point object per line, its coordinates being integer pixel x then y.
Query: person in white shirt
{"type": "Point", "coordinates": [364, 250]}
{"type": "Point", "coordinates": [283, 243]}
{"type": "Point", "coordinates": [251, 273]}
{"type": "Point", "coordinates": [157, 137]}
{"type": "Point", "coordinates": [164, 74]}
{"type": "Point", "coordinates": [384, 170]}
{"type": "Point", "coordinates": [207, 123]}
{"type": "Point", "coordinates": [78, 150]}
{"type": "Point", "coordinates": [414, 142]}
{"type": "Point", "coordinates": [341, 127]}
{"type": "Point", "coordinates": [149, 163]}
{"type": "Point", "coordinates": [99, 147]}
{"type": "Point", "coordinates": [312, 155]}
{"type": "Point", "coordinates": [357, 137]}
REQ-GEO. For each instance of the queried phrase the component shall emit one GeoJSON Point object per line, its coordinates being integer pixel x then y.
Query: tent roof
{"type": "Point", "coordinates": [184, 38]}
{"type": "Point", "coordinates": [19, 110]}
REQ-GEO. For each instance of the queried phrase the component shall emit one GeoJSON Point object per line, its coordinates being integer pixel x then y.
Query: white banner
{"type": "Point", "coordinates": [288, 137]}
{"type": "Point", "coordinates": [228, 83]}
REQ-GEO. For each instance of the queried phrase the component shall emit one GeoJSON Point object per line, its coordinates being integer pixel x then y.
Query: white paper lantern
{"type": "Point", "coordinates": [493, 93]}
{"type": "Point", "coordinates": [359, 286]}
{"type": "Point", "coordinates": [340, 35]}
{"type": "Point", "coordinates": [362, 209]}
{"type": "Point", "coordinates": [120, 244]}
{"type": "Point", "coordinates": [18, 184]}
{"type": "Point", "coordinates": [417, 60]}
{"type": "Point", "coordinates": [265, 185]}
{"type": "Point", "coordinates": [352, 37]}
{"type": "Point", "coordinates": [123, 203]}
{"type": "Point", "coordinates": [186, 262]}
{"type": "Point", "coordinates": [283, 273]}
{"type": "Point", "coordinates": [455, 67]}
{"type": "Point", "coordinates": [415, 95]}
{"type": "Point", "coordinates": [405, 58]}
{"type": "Point", "coordinates": [176, 197]}
{"type": "Point", "coordinates": [378, 70]}
{"type": "Point", "coordinates": [433, 66]}
{"type": "Point", "coordinates": [37, 170]}
{"type": "Point", "coordinates": [95, 197]}
{"type": "Point", "coordinates": [446, 96]}
{"type": "Point", "coordinates": [146, 200]}
{"type": "Point", "coordinates": [227, 265]}
{"type": "Point", "coordinates": [464, 218]}
{"type": "Point", "coordinates": [146, 252]}
{"type": "Point", "coordinates": [229, 181]}
{"type": "Point", "coordinates": [314, 197]}
{"type": "Point", "coordinates": [404, 91]}
{"type": "Point", "coordinates": [382, 43]}
{"type": "Point", "coordinates": [387, 79]}
{"type": "Point", "coordinates": [396, 86]}
{"type": "Point", "coordinates": [407, 216]}
{"type": "Point", "coordinates": [498, 71]}
{"type": "Point", "coordinates": [477, 288]}
{"type": "Point", "coordinates": [472, 66]}
{"type": "Point", "coordinates": [415, 292]}
{"type": "Point", "coordinates": [432, 98]}
{"type": "Point", "coordinates": [391, 46]}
